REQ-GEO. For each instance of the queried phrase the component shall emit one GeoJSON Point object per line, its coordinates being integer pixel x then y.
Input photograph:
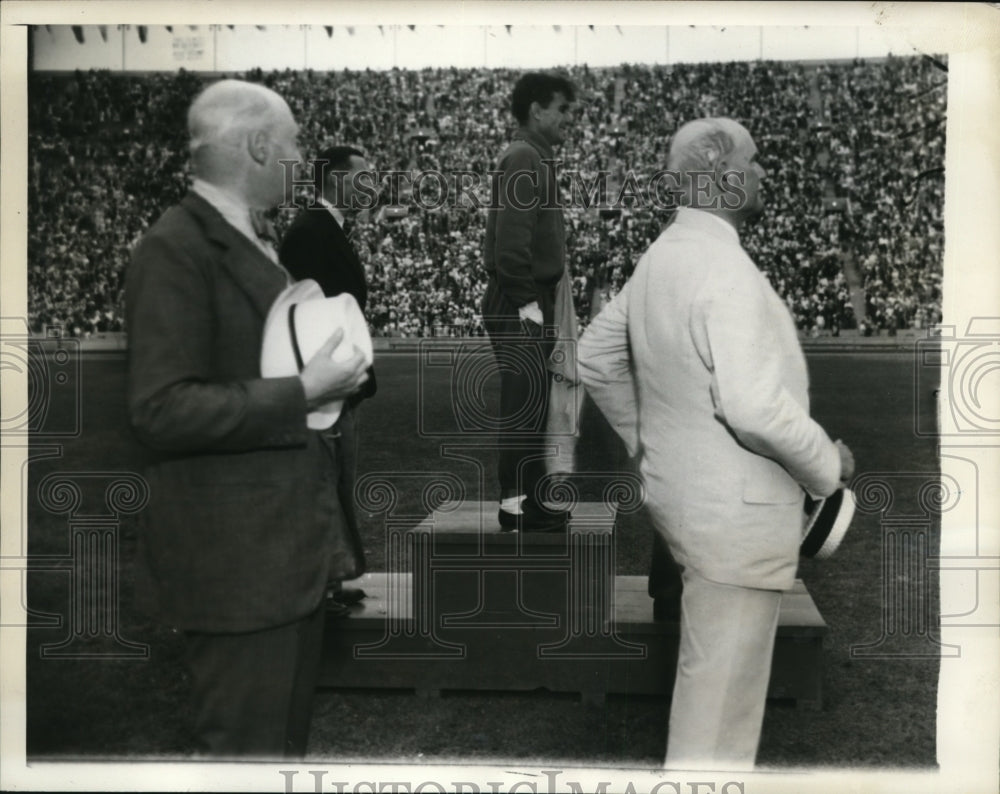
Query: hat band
{"type": "Point", "coordinates": [294, 337]}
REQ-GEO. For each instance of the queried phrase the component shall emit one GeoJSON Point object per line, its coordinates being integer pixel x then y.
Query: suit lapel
{"type": "Point", "coordinates": [350, 255]}
{"type": "Point", "coordinates": [347, 257]}
{"type": "Point", "coordinates": [256, 275]}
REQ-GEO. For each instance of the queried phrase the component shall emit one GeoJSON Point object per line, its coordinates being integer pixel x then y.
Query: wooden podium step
{"type": "Point", "coordinates": [378, 646]}
{"type": "Point", "coordinates": [465, 606]}
{"type": "Point", "coordinates": [469, 574]}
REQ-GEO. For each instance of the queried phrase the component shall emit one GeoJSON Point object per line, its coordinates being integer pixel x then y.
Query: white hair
{"type": "Point", "coordinates": [230, 108]}
{"type": "Point", "coordinates": [700, 144]}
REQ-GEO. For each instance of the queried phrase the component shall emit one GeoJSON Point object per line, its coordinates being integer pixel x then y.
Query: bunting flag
{"type": "Point", "coordinates": [557, 28]}
{"type": "Point", "coordinates": [381, 30]}
{"type": "Point", "coordinates": [591, 28]}
{"type": "Point", "coordinates": [142, 33]}
{"type": "Point", "coordinates": [261, 27]}
{"type": "Point", "coordinates": [350, 31]}
{"type": "Point", "coordinates": [103, 30]}
{"type": "Point", "coordinates": [937, 62]}
{"type": "Point", "coordinates": [231, 27]}
{"type": "Point", "coordinates": [412, 27]}
{"type": "Point", "coordinates": [329, 30]}
{"type": "Point", "coordinates": [78, 33]}
{"type": "Point", "coordinates": [170, 28]}
{"type": "Point", "coordinates": [508, 28]}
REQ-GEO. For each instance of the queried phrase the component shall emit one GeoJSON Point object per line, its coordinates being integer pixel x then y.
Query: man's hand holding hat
{"type": "Point", "coordinates": [846, 462]}
{"type": "Point", "coordinates": [325, 341]}
{"type": "Point", "coordinates": [326, 378]}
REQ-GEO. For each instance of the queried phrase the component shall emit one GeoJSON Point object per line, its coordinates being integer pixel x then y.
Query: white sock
{"type": "Point", "coordinates": [512, 504]}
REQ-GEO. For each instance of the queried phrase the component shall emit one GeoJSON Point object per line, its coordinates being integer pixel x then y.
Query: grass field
{"type": "Point", "coordinates": [877, 712]}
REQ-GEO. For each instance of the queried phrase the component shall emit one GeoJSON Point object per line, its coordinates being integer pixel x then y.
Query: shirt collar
{"type": "Point", "coordinates": [234, 209]}
{"type": "Point", "coordinates": [338, 216]}
{"type": "Point", "coordinates": [708, 222]}
{"type": "Point", "coordinates": [536, 140]}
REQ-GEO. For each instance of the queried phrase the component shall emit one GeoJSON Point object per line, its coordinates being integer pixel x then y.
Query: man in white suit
{"type": "Point", "coordinates": [697, 365]}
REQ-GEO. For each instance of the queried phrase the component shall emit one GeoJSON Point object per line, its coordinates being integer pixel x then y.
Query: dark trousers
{"type": "Point", "coordinates": [521, 350]}
{"type": "Point", "coordinates": [347, 448]}
{"type": "Point", "coordinates": [253, 692]}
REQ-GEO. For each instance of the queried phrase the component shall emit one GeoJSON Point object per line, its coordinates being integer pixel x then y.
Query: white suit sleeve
{"type": "Point", "coordinates": [605, 366]}
{"type": "Point", "coordinates": [732, 325]}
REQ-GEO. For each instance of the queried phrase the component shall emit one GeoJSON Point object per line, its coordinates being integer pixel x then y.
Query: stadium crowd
{"type": "Point", "coordinates": [854, 153]}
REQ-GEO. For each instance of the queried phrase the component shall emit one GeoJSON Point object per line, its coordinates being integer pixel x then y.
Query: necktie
{"type": "Point", "coordinates": [267, 238]}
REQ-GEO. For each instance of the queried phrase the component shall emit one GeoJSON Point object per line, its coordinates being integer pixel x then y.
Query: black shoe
{"type": "Point", "coordinates": [533, 518]}
{"type": "Point", "coordinates": [530, 506]}
{"type": "Point", "coordinates": [335, 608]}
{"type": "Point", "coordinates": [350, 595]}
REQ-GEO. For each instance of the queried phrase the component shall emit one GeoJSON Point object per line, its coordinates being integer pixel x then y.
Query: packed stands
{"type": "Point", "coordinates": [854, 153]}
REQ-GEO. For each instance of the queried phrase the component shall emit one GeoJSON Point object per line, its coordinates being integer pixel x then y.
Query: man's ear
{"type": "Point", "coordinates": [724, 173]}
{"type": "Point", "coordinates": [330, 188]}
{"type": "Point", "coordinates": [258, 146]}
{"type": "Point", "coordinates": [719, 169]}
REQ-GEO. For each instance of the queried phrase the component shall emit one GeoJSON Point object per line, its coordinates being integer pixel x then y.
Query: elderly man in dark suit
{"type": "Point", "coordinates": [318, 246]}
{"type": "Point", "coordinates": [318, 243]}
{"type": "Point", "coordinates": [246, 523]}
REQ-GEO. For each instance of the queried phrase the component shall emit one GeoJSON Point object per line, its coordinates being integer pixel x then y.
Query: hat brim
{"type": "Point", "coordinates": [827, 523]}
{"type": "Point", "coordinates": [299, 323]}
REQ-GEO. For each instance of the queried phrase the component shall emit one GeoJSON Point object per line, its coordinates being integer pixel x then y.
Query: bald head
{"type": "Point", "coordinates": [239, 132]}
{"type": "Point", "coordinates": [715, 160]}
{"type": "Point", "coordinates": [225, 112]}
{"type": "Point", "coordinates": [699, 145]}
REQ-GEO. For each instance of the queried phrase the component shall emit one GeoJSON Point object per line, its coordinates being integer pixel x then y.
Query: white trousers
{"type": "Point", "coordinates": [723, 668]}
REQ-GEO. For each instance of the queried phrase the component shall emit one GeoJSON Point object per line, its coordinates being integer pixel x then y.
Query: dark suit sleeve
{"type": "Point", "coordinates": [306, 251]}
{"type": "Point", "coordinates": [176, 400]}
{"type": "Point", "coordinates": [517, 217]}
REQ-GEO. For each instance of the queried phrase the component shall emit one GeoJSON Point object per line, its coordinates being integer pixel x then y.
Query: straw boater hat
{"type": "Point", "coordinates": [299, 323]}
{"type": "Point", "coordinates": [827, 521]}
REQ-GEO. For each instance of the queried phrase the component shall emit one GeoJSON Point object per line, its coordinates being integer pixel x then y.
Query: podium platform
{"type": "Point", "coordinates": [482, 610]}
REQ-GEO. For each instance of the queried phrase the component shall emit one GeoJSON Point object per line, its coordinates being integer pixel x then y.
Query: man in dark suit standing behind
{"type": "Point", "coordinates": [318, 246]}
{"type": "Point", "coordinates": [245, 524]}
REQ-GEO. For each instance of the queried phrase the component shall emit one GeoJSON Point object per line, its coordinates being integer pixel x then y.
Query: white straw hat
{"type": "Point", "coordinates": [827, 521]}
{"type": "Point", "coordinates": [299, 323]}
